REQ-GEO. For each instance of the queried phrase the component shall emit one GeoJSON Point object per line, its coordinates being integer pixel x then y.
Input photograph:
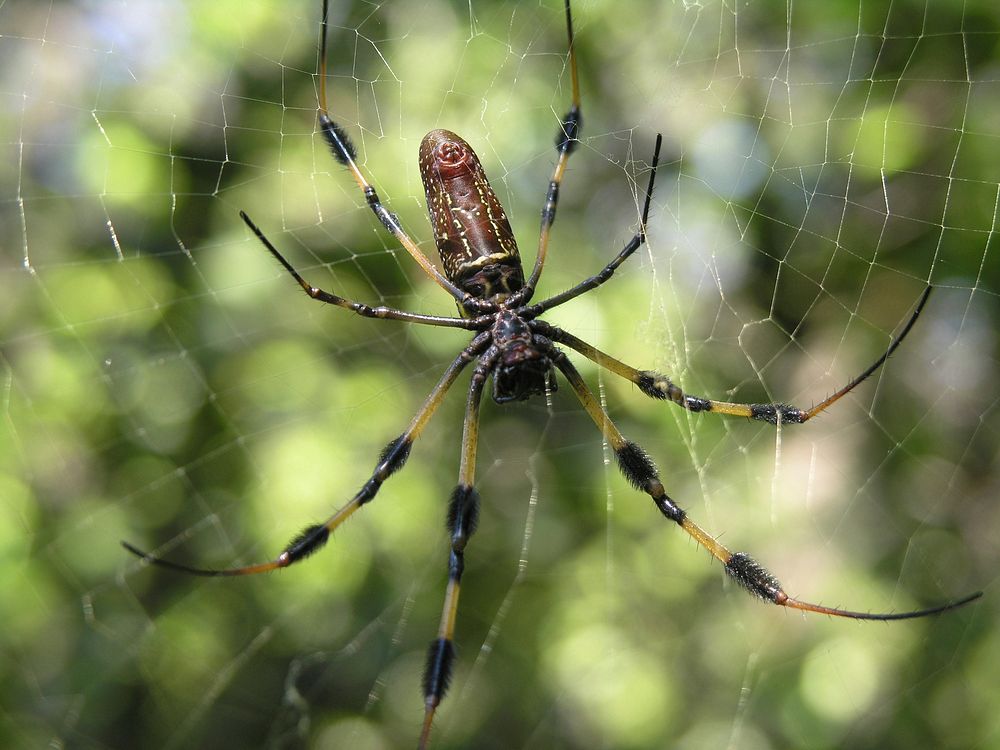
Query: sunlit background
{"type": "Point", "coordinates": [164, 382]}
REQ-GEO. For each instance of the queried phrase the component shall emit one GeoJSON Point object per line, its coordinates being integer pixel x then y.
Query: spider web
{"type": "Point", "coordinates": [164, 382]}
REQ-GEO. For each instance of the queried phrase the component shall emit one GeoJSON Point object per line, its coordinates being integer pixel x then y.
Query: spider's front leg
{"type": "Point", "coordinates": [366, 311]}
{"type": "Point", "coordinates": [602, 276]}
{"type": "Point", "coordinates": [567, 139]}
{"type": "Point", "coordinates": [391, 460]}
{"type": "Point", "coordinates": [641, 472]}
{"type": "Point", "coordinates": [658, 386]}
{"type": "Point", "coordinates": [463, 513]}
{"type": "Point", "coordinates": [343, 151]}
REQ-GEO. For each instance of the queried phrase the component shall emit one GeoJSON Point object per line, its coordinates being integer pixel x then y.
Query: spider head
{"type": "Point", "coordinates": [523, 369]}
{"type": "Point", "coordinates": [523, 372]}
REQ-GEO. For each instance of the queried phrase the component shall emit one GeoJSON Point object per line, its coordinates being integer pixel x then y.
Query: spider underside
{"type": "Point", "coordinates": [518, 350]}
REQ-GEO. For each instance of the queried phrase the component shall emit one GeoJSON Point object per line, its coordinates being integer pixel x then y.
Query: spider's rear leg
{"type": "Point", "coordinates": [391, 460]}
{"type": "Point", "coordinates": [463, 513]}
{"type": "Point", "coordinates": [641, 472]}
{"type": "Point", "coordinates": [658, 386]}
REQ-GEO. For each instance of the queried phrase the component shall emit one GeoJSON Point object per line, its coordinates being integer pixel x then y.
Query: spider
{"type": "Point", "coordinates": [518, 350]}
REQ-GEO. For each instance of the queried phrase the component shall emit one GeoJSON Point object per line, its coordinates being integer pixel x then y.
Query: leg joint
{"type": "Point", "coordinates": [752, 576]}
{"type": "Point", "coordinates": [463, 515]}
{"type": "Point", "coordinates": [456, 565]}
{"type": "Point", "coordinates": [310, 540]}
{"type": "Point", "coordinates": [567, 139]}
{"type": "Point", "coordinates": [775, 413]}
{"type": "Point", "coordinates": [393, 457]}
{"type": "Point", "coordinates": [437, 673]}
{"type": "Point", "coordinates": [340, 143]}
{"type": "Point", "coordinates": [670, 509]}
{"type": "Point", "coordinates": [636, 465]}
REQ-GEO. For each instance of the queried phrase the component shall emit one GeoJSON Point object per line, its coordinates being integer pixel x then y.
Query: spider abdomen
{"type": "Point", "coordinates": [473, 236]}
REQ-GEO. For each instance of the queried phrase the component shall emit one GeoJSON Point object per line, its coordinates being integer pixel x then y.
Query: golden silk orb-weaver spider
{"type": "Point", "coordinates": [521, 354]}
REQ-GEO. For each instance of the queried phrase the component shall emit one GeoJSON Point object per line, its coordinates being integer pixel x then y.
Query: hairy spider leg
{"type": "Point", "coordinates": [344, 152]}
{"type": "Point", "coordinates": [641, 473]}
{"type": "Point", "coordinates": [638, 239]}
{"type": "Point", "coordinates": [391, 460]}
{"type": "Point", "coordinates": [367, 311]}
{"type": "Point", "coordinates": [567, 139]}
{"type": "Point", "coordinates": [463, 514]}
{"type": "Point", "coordinates": [658, 386]}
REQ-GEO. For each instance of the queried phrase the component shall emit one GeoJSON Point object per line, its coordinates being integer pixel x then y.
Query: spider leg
{"type": "Point", "coordinates": [344, 152]}
{"type": "Point", "coordinates": [658, 386]}
{"type": "Point", "coordinates": [385, 313]}
{"type": "Point", "coordinates": [567, 139]}
{"type": "Point", "coordinates": [605, 273]}
{"type": "Point", "coordinates": [463, 513]}
{"type": "Point", "coordinates": [641, 473]}
{"type": "Point", "coordinates": [391, 460]}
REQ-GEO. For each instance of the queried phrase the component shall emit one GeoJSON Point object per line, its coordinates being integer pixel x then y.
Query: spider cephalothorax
{"type": "Point", "coordinates": [523, 366]}
{"type": "Point", "coordinates": [479, 255]}
{"type": "Point", "coordinates": [483, 274]}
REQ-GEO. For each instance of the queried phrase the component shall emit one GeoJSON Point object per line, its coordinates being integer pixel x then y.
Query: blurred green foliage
{"type": "Point", "coordinates": [164, 382]}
